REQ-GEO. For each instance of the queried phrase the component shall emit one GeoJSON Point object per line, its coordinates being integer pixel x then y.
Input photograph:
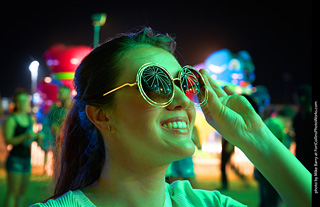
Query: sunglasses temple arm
{"type": "Point", "coordinates": [126, 84]}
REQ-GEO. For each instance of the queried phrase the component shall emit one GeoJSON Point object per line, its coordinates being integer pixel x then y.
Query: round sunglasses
{"type": "Point", "coordinates": [156, 85]}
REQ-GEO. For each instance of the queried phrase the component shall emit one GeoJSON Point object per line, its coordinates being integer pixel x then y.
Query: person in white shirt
{"type": "Point", "coordinates": [133, 115]}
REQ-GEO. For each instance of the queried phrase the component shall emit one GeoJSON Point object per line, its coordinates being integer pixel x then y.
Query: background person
{"type": "Point", "coordinates": [18, 132]}
{"type": "Point", "coordinates": [303, 127]}
{"type": "Point", "coordinates": [54, 122]}
{"type": "Point", "coordinates": [279, 126]}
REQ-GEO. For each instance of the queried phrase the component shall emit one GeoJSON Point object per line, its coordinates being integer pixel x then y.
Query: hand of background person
{"type": "Point", "coordinates": [31, 135]}
{"type": "Point", "coordinates": [40, 138]}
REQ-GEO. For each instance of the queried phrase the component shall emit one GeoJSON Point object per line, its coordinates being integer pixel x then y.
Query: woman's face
{"type": "Point", "coordinates": [139, 127]}
{"type": "Point", "coordinates": [22, 102]}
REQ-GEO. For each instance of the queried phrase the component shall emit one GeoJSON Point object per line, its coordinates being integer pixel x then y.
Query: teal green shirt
{"type": "Point", "coordinates": [178, 194]}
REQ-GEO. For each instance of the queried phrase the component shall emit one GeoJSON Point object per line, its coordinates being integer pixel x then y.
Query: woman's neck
{"type": "Point", "coordinates": [121, 185]}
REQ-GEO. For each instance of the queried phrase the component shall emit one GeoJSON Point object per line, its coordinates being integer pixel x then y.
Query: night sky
{"type": "Point", "coordinates": [277, 35]}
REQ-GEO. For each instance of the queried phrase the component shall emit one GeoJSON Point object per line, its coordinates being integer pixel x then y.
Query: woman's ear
{"type": "Point", "coordinates": [98, 117]}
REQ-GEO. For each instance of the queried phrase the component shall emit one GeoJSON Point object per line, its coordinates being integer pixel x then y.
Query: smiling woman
{"type": "Point", "coordinates": [118, 141]}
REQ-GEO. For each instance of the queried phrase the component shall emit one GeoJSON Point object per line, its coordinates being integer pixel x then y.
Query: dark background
{"type": "Point", "coordinates": [276, 34]}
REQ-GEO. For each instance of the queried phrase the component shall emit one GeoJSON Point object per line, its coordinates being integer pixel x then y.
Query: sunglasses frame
{"type": "Point", "coordinates": [149, 100]}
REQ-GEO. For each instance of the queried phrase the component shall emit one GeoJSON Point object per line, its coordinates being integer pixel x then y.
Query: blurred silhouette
{"type": "Point", "coordinates": [261, 97]}
{"type": "Point", "coordinates": [280, 126]}
{"type": "Point", "coordinates": [303, 126]}
{"type": "Point", "coordinates": [55, 120]}
{"type": "Point", "coordinates": [59, 113]}
{"type": "Point", "coordinates": [18, 132]}
{"type": "Point", "coordinates": [226, 153]}
{"type": "Point", "coordinates": [53, 123]}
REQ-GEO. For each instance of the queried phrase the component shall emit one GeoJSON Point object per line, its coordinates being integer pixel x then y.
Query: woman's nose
{"type": "Point", "coordinates": [180, 100]}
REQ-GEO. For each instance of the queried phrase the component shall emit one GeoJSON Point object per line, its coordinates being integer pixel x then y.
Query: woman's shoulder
{"type": "Point", "coordinates": [14, 119]}
{"type": "Point", "coordinates": [182, 194]}
{"type": "Point", "coordinates": [71, 198]}
{"type": "Point", "coordinates": [11, 118]}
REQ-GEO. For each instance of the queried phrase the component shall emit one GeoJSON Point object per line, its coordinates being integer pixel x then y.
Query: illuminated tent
{"type": "Point", "coordinates": [63, 61]}
{"type": "Point", "coordinates": [234, 69]}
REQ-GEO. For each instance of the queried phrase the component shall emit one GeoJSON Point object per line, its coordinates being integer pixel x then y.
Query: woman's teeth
{"type": "Point", "coordinates": [176, 125]}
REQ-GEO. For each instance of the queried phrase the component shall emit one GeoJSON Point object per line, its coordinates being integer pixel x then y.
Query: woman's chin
{"type": "Point", "coordinates": [184, 151]}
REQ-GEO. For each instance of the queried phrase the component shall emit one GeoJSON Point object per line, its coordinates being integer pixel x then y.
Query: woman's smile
{"type": "Point", "coordinates": [176, 125]}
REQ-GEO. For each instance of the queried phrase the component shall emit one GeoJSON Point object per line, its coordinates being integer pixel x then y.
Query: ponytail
{"type": "Point", "coordinates": [82, 153]}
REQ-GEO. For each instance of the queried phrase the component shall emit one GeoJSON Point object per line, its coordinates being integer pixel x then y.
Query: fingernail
{"type": "Point", "coordinates": [204, 70]}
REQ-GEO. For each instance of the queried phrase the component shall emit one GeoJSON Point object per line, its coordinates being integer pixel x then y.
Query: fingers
{"type": "Point", "coordinates": [212, 83]}
{"type": "Point", "coordinates": [213, 105]}
{"type": "Point", "coordinates": [229, 90]}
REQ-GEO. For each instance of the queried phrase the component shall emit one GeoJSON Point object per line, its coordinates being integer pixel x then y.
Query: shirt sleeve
{"type": "Point", "coordinates": [71, 198]}
{"type": "Point", "coordinates": [65, 200]}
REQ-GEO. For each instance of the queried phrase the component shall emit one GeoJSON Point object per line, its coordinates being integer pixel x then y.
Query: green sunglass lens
{"type": "Point", "coordinates": [156, 84]}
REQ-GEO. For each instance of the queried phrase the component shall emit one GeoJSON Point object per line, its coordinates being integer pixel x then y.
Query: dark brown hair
{"type": "Point", "coordinates": [82, 151]}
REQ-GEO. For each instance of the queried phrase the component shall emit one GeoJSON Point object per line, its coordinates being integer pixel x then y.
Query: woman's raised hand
{"type": "Point", "coordinates": [235, 119]}
{"type": "Point", "coordinates": [231, 114]}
